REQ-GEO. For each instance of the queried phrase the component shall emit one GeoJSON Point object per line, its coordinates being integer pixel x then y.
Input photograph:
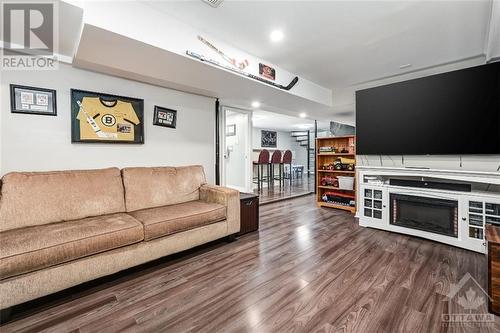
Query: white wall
{"type": "Point", "coordinates": [31, 142]}
{"type": "Point", "coordinates": [285, 142]}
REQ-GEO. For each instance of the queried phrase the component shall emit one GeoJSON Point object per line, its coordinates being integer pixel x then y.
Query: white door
{"type": "Point", "coordinates": [236, 148]}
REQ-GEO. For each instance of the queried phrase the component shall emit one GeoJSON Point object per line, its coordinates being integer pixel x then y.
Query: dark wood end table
{"type": "Point", "coordinates": [249, 213]}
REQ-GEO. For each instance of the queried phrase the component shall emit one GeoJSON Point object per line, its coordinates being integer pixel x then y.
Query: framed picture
{"type": "Point", "coordinates": [231, 130]}
{"type": "Point", "coordinates": [104, 118]}
{"type": "Point", "coordinates": [164, 117]}
{"type": "Point", "coordinates": [269, 139]}
{"type": "Point", "coordinates": [267, 71]}
{"type": "Point", "coordinates": [33, 100]}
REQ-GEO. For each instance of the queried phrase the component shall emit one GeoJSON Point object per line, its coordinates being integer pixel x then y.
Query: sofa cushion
{"type": "Point", "coordinates": [36, 198]}
{"type": "Point", "coordinates": [33, 248]}
{"type": "Point", "coordinates": [167, 220]}
{"type": "Point", "coordinates": [162, 186]}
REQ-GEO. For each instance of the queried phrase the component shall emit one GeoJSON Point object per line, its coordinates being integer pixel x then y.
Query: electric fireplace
{"type": "Point", "coordinates": [439, 216]}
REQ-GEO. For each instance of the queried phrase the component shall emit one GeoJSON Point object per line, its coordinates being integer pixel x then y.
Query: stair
{"type": "Point", "coordinates": [306, 140]}
{"type": "Point", "coordinates": [301, 138]}
{"type": "Point", "coordinates": [298, 133]}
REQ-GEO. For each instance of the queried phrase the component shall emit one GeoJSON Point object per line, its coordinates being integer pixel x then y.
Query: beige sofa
{"type": "Point", "coordinates": [59, 229]}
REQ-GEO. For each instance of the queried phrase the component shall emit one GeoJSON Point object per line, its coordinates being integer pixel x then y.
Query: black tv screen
{"type": "Point", "coordinates": [452, 113]}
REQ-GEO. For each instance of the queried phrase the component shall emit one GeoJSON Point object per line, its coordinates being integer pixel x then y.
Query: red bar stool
{"type": "Point", "coordinates": [276, 160]}
{"type": "Point", "coordinates": [262, 161]}
{"type": "Point", "coordinates": [287, 159]}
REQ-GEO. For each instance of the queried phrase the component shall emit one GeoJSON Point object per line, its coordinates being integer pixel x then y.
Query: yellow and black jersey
{"type": "Point", "coordinates": [107, 119]}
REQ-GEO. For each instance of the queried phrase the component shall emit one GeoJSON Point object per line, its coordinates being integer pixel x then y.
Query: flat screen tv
{"type": "Point", "coordinates": [452, 113]}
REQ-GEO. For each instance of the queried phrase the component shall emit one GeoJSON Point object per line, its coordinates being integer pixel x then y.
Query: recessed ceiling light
{"type": "Point", "coordinates": [255, 104]}
{"type": "Point", "coordinates": [302, 115]}
{"type": "Point", "coordinates": [276, 35]}
{"type": "Point", "coordinates": [405, 66]}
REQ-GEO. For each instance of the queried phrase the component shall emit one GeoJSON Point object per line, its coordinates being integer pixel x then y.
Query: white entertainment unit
{"type": "Point", "coordinates": [403, 200]}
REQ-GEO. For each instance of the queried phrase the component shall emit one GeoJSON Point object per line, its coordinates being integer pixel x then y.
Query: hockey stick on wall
{"type": "Point", "coordinates": [241, 65]}
{"type": "Point", "coordinates": [255, 77]}
{"type": "Point", "coordinates": [94, 125]}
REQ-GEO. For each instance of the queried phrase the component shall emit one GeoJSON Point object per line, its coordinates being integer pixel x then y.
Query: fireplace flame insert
{"type": "Point", "coordinates": [439, 216]}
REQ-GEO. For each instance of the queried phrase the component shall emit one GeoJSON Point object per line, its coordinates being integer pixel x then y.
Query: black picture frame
{"type": "Point", "coordinates": [231, 130]}
{"type": "Point", "coordinates": [164, 117]}
{"type": "Point", "coordinates": [37, 104]}
{"type": "Point", "coordinates": [269, 139]}
{"type": "Point", "coordinates": [123, 124]}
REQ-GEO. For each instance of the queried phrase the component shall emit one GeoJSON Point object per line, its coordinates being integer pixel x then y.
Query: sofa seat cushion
{"type": "Point", "coordinates": [167, 220]}
{"type": "Point", "coordinates": [32, 248]}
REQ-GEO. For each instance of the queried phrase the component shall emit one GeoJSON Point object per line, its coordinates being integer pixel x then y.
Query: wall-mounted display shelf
{"type": "Point", "coordinates": [335, 176]}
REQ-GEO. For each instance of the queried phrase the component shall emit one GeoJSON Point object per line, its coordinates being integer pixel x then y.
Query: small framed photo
{"type": "Point", "coordinates": [32, 100]}
{"type": "Point", "coordinates": [231, 130]}
{"type": "Point", "coordinates": [164, 117]}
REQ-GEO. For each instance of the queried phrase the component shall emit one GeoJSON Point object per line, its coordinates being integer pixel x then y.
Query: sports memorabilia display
{"type": "Point", "coordinates": [251, 76]}
{"type": "Point", "coordinates": [164, 117]}
{"type": "Point", "coordinates": [240, 65]}
{"type": "Point", "coordinates": [32, 100]}
{"type": "Point", "coordinates": [269, 139]}
{"type": "Point", "coordinates": [98, 117]}
{"type": "Point", "coordinates": [267, 71]}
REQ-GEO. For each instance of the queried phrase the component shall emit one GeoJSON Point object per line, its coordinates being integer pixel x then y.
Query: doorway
{"type": "Point", "coordinates": [236, 139]}
{"type": "Point", "coordinates": [281, 135]}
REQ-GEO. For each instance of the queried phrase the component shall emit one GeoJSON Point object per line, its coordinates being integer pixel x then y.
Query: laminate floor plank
{"type": "Point", "coordinates": [307, 269]}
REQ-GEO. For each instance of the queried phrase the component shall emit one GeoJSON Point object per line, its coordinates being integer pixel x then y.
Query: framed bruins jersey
{"type": "Point", "coordinates": [97, 117]}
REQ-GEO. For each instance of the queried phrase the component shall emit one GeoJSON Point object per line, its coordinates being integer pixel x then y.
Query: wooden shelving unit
{"type": "Point", "coordinates": [339, 142]}
{"type": "Point", "coordinates": [337, 171]}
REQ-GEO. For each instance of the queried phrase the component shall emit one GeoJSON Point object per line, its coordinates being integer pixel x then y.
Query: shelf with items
{"type": "Point", "coordinates": [332, 205]}
{"type": "Point", "coordinates": [335, 166]}
{"type": "Point", "coordinates": [334, 188]}
{"type": "Point", "coordinates": [338, 171]}
{"type": "Point", "coordinates": [335, 154]}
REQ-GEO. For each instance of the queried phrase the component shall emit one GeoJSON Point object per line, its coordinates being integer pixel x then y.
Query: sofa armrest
{"type": "Point", "coordinates": [226, 197]}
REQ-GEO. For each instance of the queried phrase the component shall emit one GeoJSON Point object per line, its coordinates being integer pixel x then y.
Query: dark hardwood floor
{"type": "Point", "coordinates": [308, 269]}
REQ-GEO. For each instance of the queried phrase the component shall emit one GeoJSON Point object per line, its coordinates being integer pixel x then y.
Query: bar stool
{"type": "Point", "coordinates": [276, 160]}
{"type": "Point", "coordinates": [287, 160]}
{"type": "Point", "coordinates": [262, 161]}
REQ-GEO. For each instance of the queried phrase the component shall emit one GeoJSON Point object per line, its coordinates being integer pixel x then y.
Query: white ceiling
{"type": "Point", "coordinates": [270, 120]}
{"type": "Point", "coordinates": [70, 27]}
{"type": "Point", "coordinates": [343, 43]}
{"type": "Point", "coordinates": [280, 122]}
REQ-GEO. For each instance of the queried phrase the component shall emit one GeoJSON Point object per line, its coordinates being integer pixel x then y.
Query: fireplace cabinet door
{"type": "Point", "coordinates": [374, 204]}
